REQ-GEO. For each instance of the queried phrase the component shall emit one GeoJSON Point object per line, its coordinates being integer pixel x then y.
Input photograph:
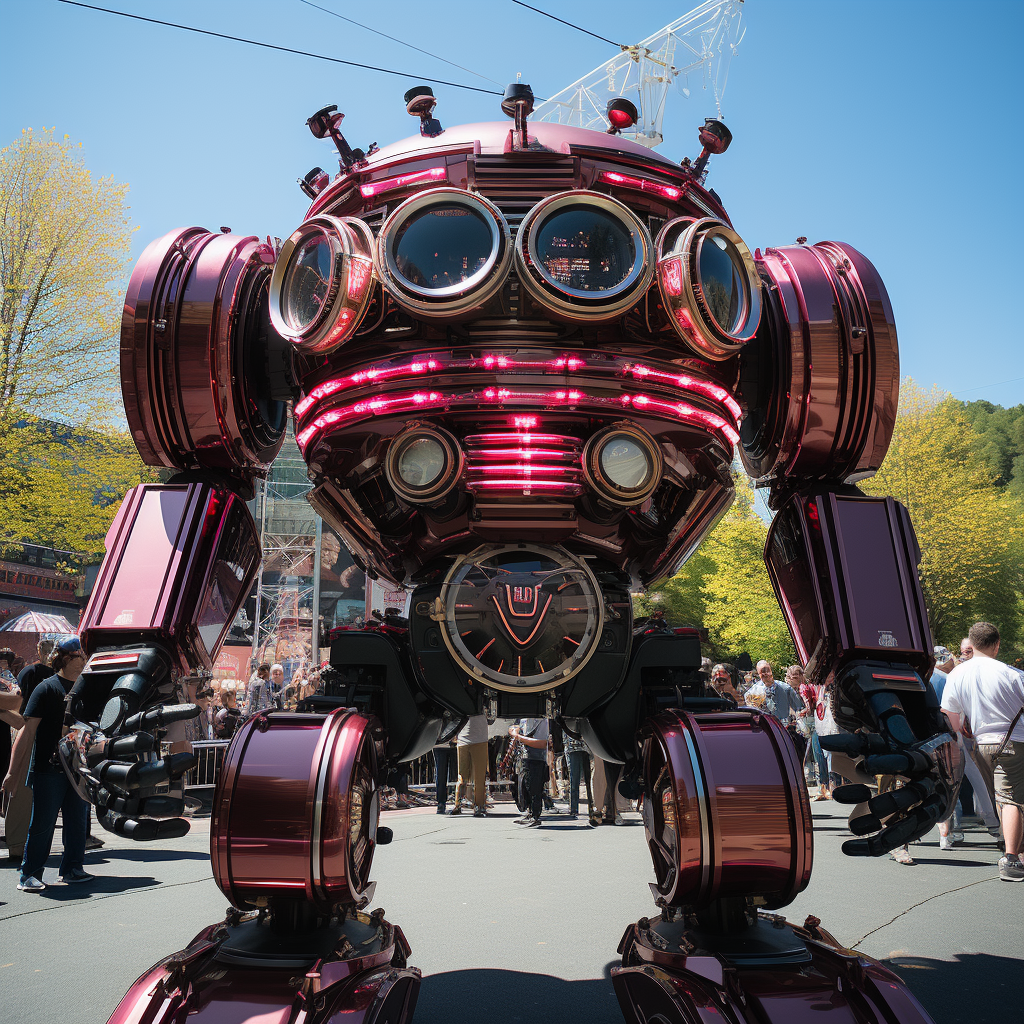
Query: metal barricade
{"type": "Point", "coordinates": [211, 756]}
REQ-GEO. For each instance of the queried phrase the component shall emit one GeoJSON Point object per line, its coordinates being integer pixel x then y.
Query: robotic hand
{"type": "Point", "coordinates": [118, 716]}
{"type": "Point", "coordinates": [887, 744]}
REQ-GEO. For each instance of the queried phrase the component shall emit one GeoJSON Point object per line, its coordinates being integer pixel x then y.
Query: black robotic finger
{"type": "Point", "coordinates": [854, 743]}
{"type": "Point", "coordinates": [905, 830]}
{"type": "Point", "coordinates": [122, 746]}
{"type": "Point", "coordinates": [126, 777]}
{"type": "Point", "coordinates": [158, 718]}
{"type": "Point", "coordinates": [144, 830]}
{"type": "Point", "coordinates": [911, 763]}
{"type": "Point", "coordinates": [855, 793]}
{"type": "Point", "coordinates": [896, 800]}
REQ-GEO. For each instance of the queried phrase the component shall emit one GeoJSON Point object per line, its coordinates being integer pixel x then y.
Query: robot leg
{"type": "Point", "coordinates": [729, 828]}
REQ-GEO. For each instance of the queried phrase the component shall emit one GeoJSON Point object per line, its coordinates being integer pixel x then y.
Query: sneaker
{"type": "Point", "coordinates": [1009, 870]}
{"type": "Point", "coordinates": [594, 822]}
{"type": "Point", "coordinates": [619, 819]}
{"type": "Point", "coordinates": [524, 820]}
{"type": "Point", "coordinates": [32, 884]}
{"type": "Point", "coordinates": [456, 810]}
{"type": "Point", "coordinates": [78, 875]}
{"type": "Point", "coordinates": [957, 837]}
{"type": "Point", "coordinates": [947, 842]}
{"type": "Point", "coordinates": [479, 812]}
{"type": "Point", "coordinates": [532, 823]}
{"type": "Point", "coordinates": [441, 810]}
{"type": "Point", "coordinates": [994, 831]}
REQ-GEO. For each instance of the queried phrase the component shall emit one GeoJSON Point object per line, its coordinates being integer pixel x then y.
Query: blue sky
{"type": "Point", "coordinates": [894, 126]}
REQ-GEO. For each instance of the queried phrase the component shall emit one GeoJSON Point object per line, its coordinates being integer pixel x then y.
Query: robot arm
{"type": "Point", "coordinates": [199, 363]}
{"type": "Point", "coordinates": [821, 381]}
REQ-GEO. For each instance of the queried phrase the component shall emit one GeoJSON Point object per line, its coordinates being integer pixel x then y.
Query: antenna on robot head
{"type": "Point", "coordinates": [701, 42]}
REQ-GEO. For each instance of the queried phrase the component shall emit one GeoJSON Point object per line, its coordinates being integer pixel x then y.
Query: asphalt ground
{"type": "Point", "coordinates": [512, 924]}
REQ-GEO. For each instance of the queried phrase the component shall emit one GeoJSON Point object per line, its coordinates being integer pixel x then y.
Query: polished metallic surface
{"type": "Point", "coordinates": [596, 475]}
{"type": "Point", "coordinates": [563, 301]}
{"type": "Point", "coordinates": [460, 298]}
{"type": "Point", "coordinates": [729, 813]}
{"type": "Point", "coordinates": [293, 787]}
{"type": "Point", "coordinates": [193, 394]}
{"type": "Point", "coordinates": [347, 289]}
{"type": "Point", "coordinates": [436, 487]}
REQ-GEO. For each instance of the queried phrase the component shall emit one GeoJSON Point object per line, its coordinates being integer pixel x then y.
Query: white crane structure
{"type": "Point", "coordinates": [700, 43]}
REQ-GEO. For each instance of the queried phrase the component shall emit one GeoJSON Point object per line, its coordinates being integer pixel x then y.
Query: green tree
{"type": "Point", "coordinates": [999, 441]}
{"type": "Point", "coordinates": [971, 531]}
{"type": "Point", "coordinates": [724, 587]}
{"type": "Point", "coordinates": [64, 250]}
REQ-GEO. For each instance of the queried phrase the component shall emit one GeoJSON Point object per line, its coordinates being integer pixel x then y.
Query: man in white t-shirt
{"type": "Point", "coordinates": [984, 696]}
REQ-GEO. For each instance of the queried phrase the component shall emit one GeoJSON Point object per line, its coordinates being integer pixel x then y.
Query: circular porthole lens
{"type": "Point", "coordinates": [421, 462]}
{"type": "Point", "coordinates": [585, 249]}
{"type": "Point", "coordinates": [441, 246]}
{"type": "Point", "coordinates": [625, 463]}
{"type": "Point", "coordinates": [720, 281]}
{"type": "Point", "coordinates": [307, 282]}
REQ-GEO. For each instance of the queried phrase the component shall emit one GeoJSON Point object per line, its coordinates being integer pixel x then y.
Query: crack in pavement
{"type": "Point", "coordinates": [921, 903]}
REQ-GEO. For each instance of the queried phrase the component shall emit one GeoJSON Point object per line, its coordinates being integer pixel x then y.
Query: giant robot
{"type": "Point", "coordinates": [519, 359]}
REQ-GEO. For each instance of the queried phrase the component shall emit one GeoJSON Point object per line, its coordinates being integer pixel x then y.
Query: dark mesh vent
{"type": "Point", "coordinates": [517, 183]}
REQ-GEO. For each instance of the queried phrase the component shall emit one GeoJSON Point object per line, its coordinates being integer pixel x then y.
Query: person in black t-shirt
{"type": "Point", "coordinates": [52, 791]}
{"type": "Point", "coordinates": [19, 807]}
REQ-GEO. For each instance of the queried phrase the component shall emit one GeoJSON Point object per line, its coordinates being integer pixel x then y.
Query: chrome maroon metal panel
{"type": "Point", "coordinates": [194, 354]}
{"type": "Point", "coordinates": [727, 813]}
{"type": "Point", "coordinates": [295, 816]}
{"type": "Point", "coordinates": [180, 561]}
{"type": "Point", "coordinates": [821, 380]}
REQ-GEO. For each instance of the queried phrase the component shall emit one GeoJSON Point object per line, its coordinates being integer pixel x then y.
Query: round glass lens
{"type": "Point", "coordinates": [307, 282]}
{"type": "Point", "coordinates": [421, 462]}
{"type": "Point", "coordinates": [625, 463]}
{"type": "Point", "coordinates": [721, 282]}
{"type": "Point", "coordinates": [586, 249]}
{"type": "Point", "coordinates": [442, 246]}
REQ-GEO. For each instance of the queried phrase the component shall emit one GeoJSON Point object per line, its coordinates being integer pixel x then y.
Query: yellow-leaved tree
{"type": "Point", "coordinates": [971, 532]}
{"type": "Point", "coordinates": [65, 458]}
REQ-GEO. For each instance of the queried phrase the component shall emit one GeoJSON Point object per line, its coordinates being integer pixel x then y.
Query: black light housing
{"type": "Point", "coordinates": [715, 138]}
{"type": "Point", "coordinates": [621, 114]}
{"type": "Point", "coordinates": [313, 182]}
{"type": "Point", "coordinates": [420, 102]}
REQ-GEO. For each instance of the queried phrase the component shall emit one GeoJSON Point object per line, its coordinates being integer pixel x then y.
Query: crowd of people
{"type": "Point", "coordinates": [543, 763]}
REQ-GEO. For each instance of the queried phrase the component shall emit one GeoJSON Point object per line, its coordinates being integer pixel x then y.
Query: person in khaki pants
{"type": "Point", "coordinates": [472, 754]}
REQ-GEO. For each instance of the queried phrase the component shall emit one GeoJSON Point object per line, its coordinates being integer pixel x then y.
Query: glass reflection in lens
{"type": "Point", "coordinates": [307, 282]}
{"type": "Point", "coordinates": [442, 246]}
{"type": "Point", "coordinates": [721, 282]}
{"type": "Point", "coordinates": [625, 463]}
{"type": "Point", "coordinates": [586, 249]}
{"type": "Point", "coordinates": [421, 462]}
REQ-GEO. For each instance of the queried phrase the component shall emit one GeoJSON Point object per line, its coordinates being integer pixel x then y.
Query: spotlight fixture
{"type": "Point", "coordinates": [314, 182]}
{"type": "Point", "coordinates": [420, 102]}
{"type": "Point", "coordinates": [326, 123]}
{"type": "Point", "coordinates": [622, 114]}
{"type": "Point", "coordinates": [715, 138]}
{"type": "Point", "coordinates": [517, 103]}
{"type": "Point", "coordinates": [623, 465]}
{"type": "Point", "coordinates": [423, 464]}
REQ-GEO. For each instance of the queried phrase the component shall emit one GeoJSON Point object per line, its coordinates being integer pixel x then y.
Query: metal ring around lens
{"type": "Point", "coordinates": [444, 483]}
{"type": "Point", "coordinates": [460, 299]}
{"type": "Point", "coordinates": [350, 240]}
{"type": "Point", "coordinates": [574, 304]}
{"type": "Point", "coordinates": [595, 477]}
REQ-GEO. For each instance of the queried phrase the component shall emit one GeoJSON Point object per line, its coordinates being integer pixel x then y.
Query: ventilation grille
{"type": "Point", "coordinates": [515, 185]}
{"type": "Point", "coordinates": [520, 464]}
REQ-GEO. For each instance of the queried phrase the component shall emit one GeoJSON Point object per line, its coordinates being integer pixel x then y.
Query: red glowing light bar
{"type": "Point", "coordinates": [681, 410]}
{"type": "Point", "coordinates": [640, 184]}
{"type": "Point", "coordinates": [375, 188]}
{"type": "Point", "coordinates": [358, 275]}
{"type": "Point", "coordinates": [521, 438]}
{"type": "Point", "coordinates": [682, 380]}
{"type": "Point", "coordinates": [526, 486]}
{"type": "Point", "coordinates": [523, 422]}
{"type": "Point", "coordinates": [364, 377]}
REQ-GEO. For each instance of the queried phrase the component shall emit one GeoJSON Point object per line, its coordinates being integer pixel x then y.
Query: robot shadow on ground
{"type": "Point", "coordinates": [973, 988]}
{"type": "Point", "coordinates": [468, 997]}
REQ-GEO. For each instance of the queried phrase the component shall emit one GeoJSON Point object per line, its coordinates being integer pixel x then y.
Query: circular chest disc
{"type": "Point", "coordinates": [522, 618]}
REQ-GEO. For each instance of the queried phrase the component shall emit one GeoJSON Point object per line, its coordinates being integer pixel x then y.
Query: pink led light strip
{"type": "Point", "coordinates": [562, 364]}
{"type": "Point", "coordinates": [507, 463]}
{"type": "Point", "coordinates": [500, 396]}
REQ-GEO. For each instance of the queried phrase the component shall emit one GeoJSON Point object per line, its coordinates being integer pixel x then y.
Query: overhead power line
{"type": "Point", "coordinates": [282, 49]}
{"type": "Point", "coordinates": [394, 39]}
{"type": "Point", "coordinates": [578, 28]}
{"type": "Point", "coordinates": [983, 387]}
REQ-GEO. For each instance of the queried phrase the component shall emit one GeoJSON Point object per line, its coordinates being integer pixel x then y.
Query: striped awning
{"type": "Point", "coordinates": [37, 622]}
